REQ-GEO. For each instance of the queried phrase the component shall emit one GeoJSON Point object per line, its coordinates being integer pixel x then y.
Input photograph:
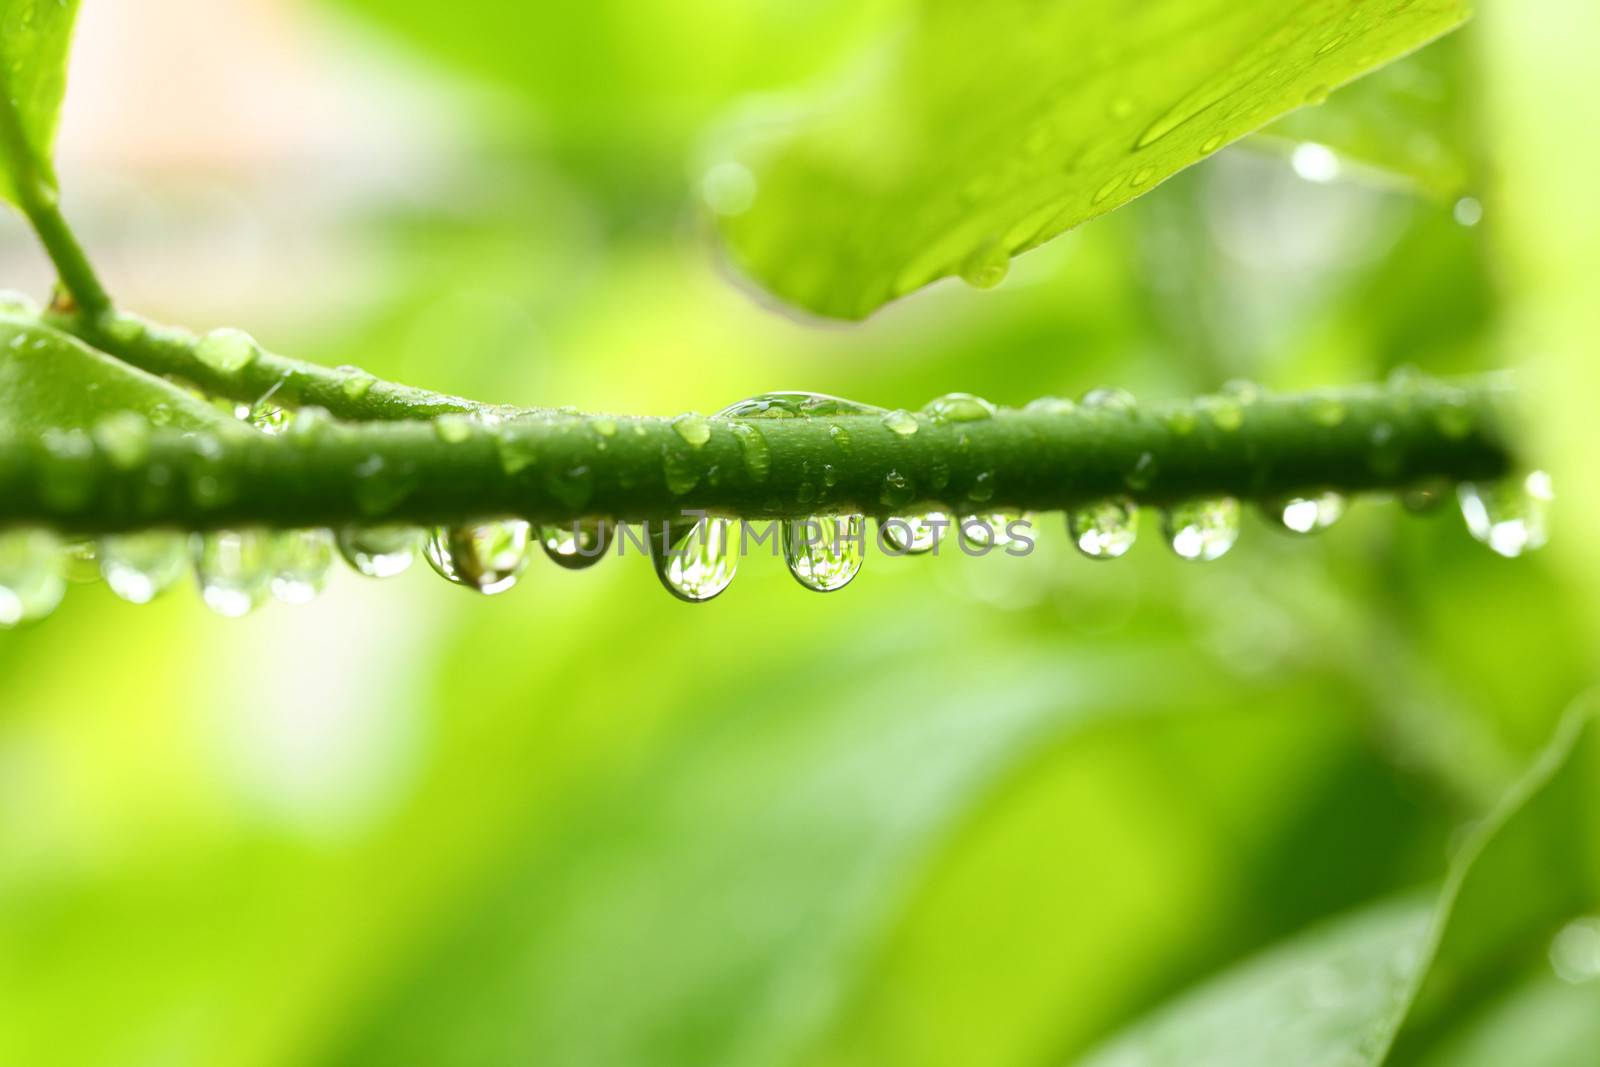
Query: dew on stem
{"type": "Point", "coordinates": [698, 560]}
{"type": "Point", "coordinates": [32, 582]}
{"type": "Point", "coordinates": [300, 563]}
{"type": "Point", "coordinates": [576, 545]}
{"type": "Point", "coordinates": [379, 551]}
{"type": "Point", "coordinates": [913, 535]}
{"type": "Point", "coordinates": [1105, 529]}
{"type": "Point", "coordinates": [1203, 530]}
{"type": "Point", "coordinates": [234, 569]}
{"type": "Point", "coordinates": [1511, 517]}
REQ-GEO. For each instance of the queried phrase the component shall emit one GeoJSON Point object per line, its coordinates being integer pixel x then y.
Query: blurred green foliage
{"type": "Point", "coordinates": [991, 810]}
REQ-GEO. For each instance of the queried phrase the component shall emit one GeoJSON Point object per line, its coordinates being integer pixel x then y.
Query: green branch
{"type": "Point", "coordinates": [557, 467]}
{"type": "Point", "coordinates": [228, 363]}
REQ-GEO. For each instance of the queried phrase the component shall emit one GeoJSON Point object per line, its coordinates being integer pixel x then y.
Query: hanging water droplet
{"type": "Point", "coordinates": [901, 422]}
{"type": "Point", "coordinates": [1111, 401]}
{"type": "Point", "coordinates": [139, 567]}
{"type": "Point", "coordinates": [912, 535]}
{"type": "Point", "coordinates": [699, 562]}
{"type": "Point", "coordinates": [31, 576]}
{"type": "Point", "coordinates": [1468, 211]}
{"type": "Point", "coordinates": [227, 350]}
{"type": "Point", "coordinates": [1308, 514]}
{"type": "Point", "coordinates": [487, 557]}
{"type": "Point", "coordinates": [824, 552]}
{"type": "Point", "coordinates": [379, 551]}
{"type": "Point", "coordinates": [234, 568]}
{"type": "Point", "coordinates": [268, 417]}
{"type": "Point", "coordinates": [1511, 517]}
{"type": "Point", "coordinates": [958, 407]}
{"type": "Point", "coordinates": [1105, 529]}
{"type": "Point", "coordinates": [693, 428]}
{"type": "Point", "coordinates": [80, 563]}
{"type": "Point", "coordinates": [989, 530]}
{"type": "Point", "coordinates": [1203, 529]}
{"type": "Point", "coordinates": [300, 562]}
{"type": "Point", "coordinates": [576, 545]}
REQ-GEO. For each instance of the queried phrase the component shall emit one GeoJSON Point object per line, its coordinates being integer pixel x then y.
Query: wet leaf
{"type": "Point", "coordinates": [34, 38]}
{"type": "Point", "coordinates": [49, 380]}
{"type": "Point", "coordinates": [988, 129]}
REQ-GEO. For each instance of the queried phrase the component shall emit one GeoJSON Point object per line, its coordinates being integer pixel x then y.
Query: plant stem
{"type": "Point", "coordinates": [345, 392]}
{"type": "Point", "coordinates": [43, 208]}
{"type": "Point", "coordinates": [558, 467]}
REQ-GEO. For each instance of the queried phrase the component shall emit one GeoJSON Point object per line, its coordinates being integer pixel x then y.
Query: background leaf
{"type": "Point", "coordinates": [988, 130]}
{"type": "Point", "coordinates": [34, 39]}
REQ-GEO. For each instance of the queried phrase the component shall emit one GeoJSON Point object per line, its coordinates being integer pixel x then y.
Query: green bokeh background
{"type": "Point", "coordinates": [964, 811]}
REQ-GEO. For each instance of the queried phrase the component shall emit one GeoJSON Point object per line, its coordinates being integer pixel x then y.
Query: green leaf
{"type": "Point", "coordinates": [990, 128]}
{"type": "Point", "coordinates": [52, 381]}
{"type": "Point", "coordinates": [1343, 992]}
{"type": "Point", "coordinates": [34, 37]}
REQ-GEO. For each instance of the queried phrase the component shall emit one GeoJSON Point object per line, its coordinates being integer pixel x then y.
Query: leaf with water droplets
{"type": "Point", "coordinates": [991, 128]}
{"type": "Point", "coordinates": [34, 39]}
{"type": "Point", "coordinates": [51, 381]}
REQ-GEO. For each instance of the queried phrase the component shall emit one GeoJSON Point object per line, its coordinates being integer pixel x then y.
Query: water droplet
{"type": "Point", "coordinates": [912, 535]}
{"type": "Point", "coordinates": [1317, 94]}
{"type": "Point", "coordinates": [381, 486]}
{"type": "Point", "coordinates": [794, 405]}
{"type": "Point", "coordinates": [1212, 143]}
{"type": "Point", "coordinates": [234, 568]}
{"type": "Point", "coordinates": [80, 563]}
{"type": "Point", "coordinates": [379, 551]}
{"type": "Point", "coordinates": [1226, 413]}
{"type": "Point", "coordinates": [1511, 517]}
{"type": "Point", "coordinates": [700, 561]}
{"type": "Point", "coordinates": [753, 449]}
{"type": "Point", "coordinates": [824, 551]}
{"type": "Point", "coordinates": [1326, 411]}
{"type": "Point", "coordinates": [681, 470]}
{"type": "Point", "coordinates": [1051, 405]}
{"type": "Point", "coordinates": [518, 451]}
{"type": "Point", "coordinates": [901, 422]}
{"type": "Point", "coordinates": [1105, 529]}
{"type": "Point", "coordinates": [603, 425]}
{"type": "Point", "coordinates": [1203, 529]}
{"type": "Point", "coordinates": [1102, 194]}
{"type": "Point", "coordinates": [454, 429]}
{"type": "Point", "coordinates": [15, 303]}
{"type": "Point", "coordinates": [987, 266]}
{"type": "Point", "coordinates": [1467, 212]}
{"type": "Point", "coordinates": [1180, 421]}
{"type": "Point", "coordinates": [31, 575]}
{"type": "Point", "coordinates": [1143, 474]}
{"type": "Point", "coordinates": [487, 557]}
{"type": "Point", "coordinates": [1331, 44]}
{"type": "Point", "coordinates": [300, 562]}
{"type": "Point", "coordinates": [841, 438]}
{"type": "Point", "coordinates": [124, 439]}
{"type": "Point", "coordinates": [357, 383]}
{"type": "Point", "coordinates": [693, 428]}
{"type": "Point", "coordinates": [1142, 175]}
{"type": "Point", "coordinates": [1121, 107]}
{"type": "Point", "coordinates": [958, 407]}
{"type": "Point", "coordinates": [227, 350]}
{"type": "Point", "coordinates": [989, 530]}
{"type": "Point", "coordinates": [268, 417]}
{"type": "Point", "coordinates": [1111, 401]}
{"type": "Point", "coordinates": [139, 567]}
{"type": "Point", "coordinates": [1308, 514]}
{"type": "Point", "coordinates": [576, 545]}
{"type": "Point", "coordinates": [897, 491]}
{"type": "Point", "coordinates": [1454, 417]}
